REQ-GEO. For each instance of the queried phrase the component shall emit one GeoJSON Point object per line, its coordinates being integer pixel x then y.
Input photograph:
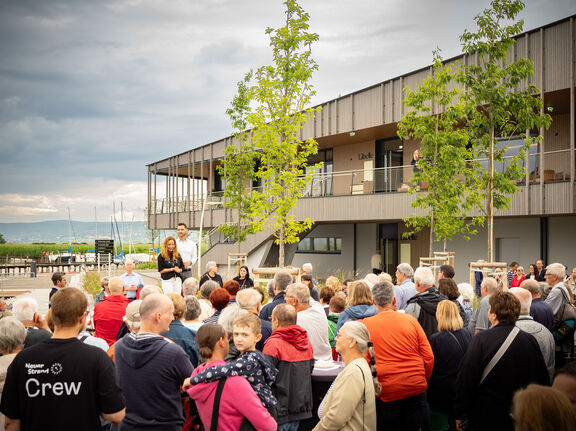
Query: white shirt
{"type": "Point", "coordinates": [187, 250]}
{"type": "Point", "coordinates": [316, 324]}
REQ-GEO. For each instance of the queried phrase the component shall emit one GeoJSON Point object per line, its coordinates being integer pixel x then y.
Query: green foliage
{"type": "Point", "coordinates": [34, 251]}
{"type": "Point", "coordinates": [444, 151]}
{"type": "Point", "coordinates": [146, 265]}
{"type": "Point", "coordinates": [91, 283]}
{"type": "Point", "coordinates": [496, 106]}
{"type": "Point", "coordinates": [2, 240]}
{"type": "Point", "coordinates": [271, 102]}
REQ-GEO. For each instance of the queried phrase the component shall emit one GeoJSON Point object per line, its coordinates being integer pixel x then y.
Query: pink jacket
{"type": "Point", "coordinates": [238, 401]}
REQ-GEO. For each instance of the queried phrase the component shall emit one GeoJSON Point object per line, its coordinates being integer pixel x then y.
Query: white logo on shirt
{"type": "Point", "coordinates": [34, 388]}
{"type": "Point", "coordinates": [56, 368]}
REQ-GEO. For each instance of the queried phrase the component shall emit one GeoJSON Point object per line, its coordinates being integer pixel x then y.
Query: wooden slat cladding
{"type": "Point", "coordinates": [548, 48]}
{"type": "Point", "coordinates": [557, 53]}
{"type": "Point", "coordinates": [368, 108]}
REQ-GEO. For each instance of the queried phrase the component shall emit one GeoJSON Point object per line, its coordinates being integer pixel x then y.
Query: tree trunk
{"type": "Point", "coordinates": [238, 232]}
{"type": "Point", "coordinates": [281, 246]}
{"type": "Point", "coordinates": [490, 203]}
{"type": "Point", "coordinates": [432, 184]}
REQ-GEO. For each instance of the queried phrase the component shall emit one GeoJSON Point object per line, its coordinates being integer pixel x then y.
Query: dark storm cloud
{"type": "Point", "coordinates": [92, 91]}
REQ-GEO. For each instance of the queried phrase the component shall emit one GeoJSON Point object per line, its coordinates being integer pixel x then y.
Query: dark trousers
{"type": "Point", "coordinates": [401, 415]}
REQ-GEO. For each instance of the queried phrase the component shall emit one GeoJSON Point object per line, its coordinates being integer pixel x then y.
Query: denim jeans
{"type": "Point", "coordinates": [289, 426]}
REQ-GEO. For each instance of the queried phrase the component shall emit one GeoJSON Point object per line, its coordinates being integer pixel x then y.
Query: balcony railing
{"type": "Point", "coordinates": [395, 179]}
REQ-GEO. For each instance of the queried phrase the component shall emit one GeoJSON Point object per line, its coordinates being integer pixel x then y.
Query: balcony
{"type": "Point", "coordinates": [381, 193]}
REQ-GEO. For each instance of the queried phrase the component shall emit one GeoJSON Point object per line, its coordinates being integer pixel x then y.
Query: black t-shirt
{"type": "Point", "coordinates": [61, 384]}
{"type": "Point", "coordinates": [52, 292]}
{"type": "Point", "coordinates": [35, 336]}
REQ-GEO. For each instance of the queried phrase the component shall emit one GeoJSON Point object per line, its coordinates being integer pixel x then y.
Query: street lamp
{"type": "Point", "coordinates": [200, 233]}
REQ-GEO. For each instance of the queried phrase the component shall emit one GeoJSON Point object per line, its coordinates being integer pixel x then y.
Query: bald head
{"type": "Point", "coordinates": [533, 287]}
{"type": "Point", "coordinates": [524, 297]}
{"type": "Point", "coordinates": [283, 315]}
{"type": "Point", "coordinates": [154, 303]}
{"type": "Point", "coordinates": [156, 313]}
{"type": "Point", "coordinates": [116, 286]}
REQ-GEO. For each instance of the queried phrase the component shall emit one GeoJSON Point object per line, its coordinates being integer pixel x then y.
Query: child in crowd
{"type": "Point", "coordinates": [337, 305]}
{"type": "Point", "coordinates": [251, 364]}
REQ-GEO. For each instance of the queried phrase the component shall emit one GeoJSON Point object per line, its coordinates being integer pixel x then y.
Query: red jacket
{"type": "Point", "coordinates": [516, 281]}
{"type": "Point", "coordinates": [289, 350]}
{"type": "Point", "coordinates": [108, 316]}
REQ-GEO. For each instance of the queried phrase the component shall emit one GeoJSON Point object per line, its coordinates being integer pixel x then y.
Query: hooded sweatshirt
{"type": "Point", "coordinates": [355, 312]}
{"type": "Point", "coordinates": [289, 350]}
{"type": "Point", "coordinates": [150, 370]}
{"type": "Point", "coordinates": [238, 401]}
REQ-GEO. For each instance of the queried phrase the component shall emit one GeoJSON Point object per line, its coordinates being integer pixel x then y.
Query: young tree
{"type": "Point", "coordinates": [2, 240]}
{"type": "Point", "coordinates": [443, 146]}
{"type": "Point", "coordinates": [275, 111]}
{"type": "Point", "coordinates": [238, 170]}
{"type": "Point", "coordinates": [499, 102]}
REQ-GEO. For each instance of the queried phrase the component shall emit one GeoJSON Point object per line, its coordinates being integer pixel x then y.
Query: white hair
{"type": "Point", "coordinates": [190, 286]}
{"type": "Point", "coordinates": [491, 284]}
{"type": "Point", "coordinates": [524, 297]}
{"type": "Point", "coordinates": [307, 267]}
{"type": "Point", "coordinates": [128, 261]}
{"type": "Point", "coordinates": [12, 334]}
{"type": "Point", "coordinates": [228, 315]}
{"type": "Point", "coordinates": [248, 299]}
{"type": "Point", "coordinates": [24, 308]}
{"type": "Point", "coordinates": [148, 290]}
{"type": "Point", "coordinates": [405, 269]}
{"type": "Point", "coordinates": [358, 331]}
{"type": "Point", "coordinates": [557, 269]}
{"type": "Point", "coordinates": [210, 264]}
{"type": "Point", "coordinates": [301, 292]}
{"type": "Point", "coordinates": [424, 276]}
{"type": "Point", "coordinates": [132, 317]}
{"type": "Point", "coordinates": [467, 291]}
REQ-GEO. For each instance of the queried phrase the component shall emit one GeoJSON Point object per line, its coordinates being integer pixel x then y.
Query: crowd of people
{"type": "Point", "coordinates": [417, 351]}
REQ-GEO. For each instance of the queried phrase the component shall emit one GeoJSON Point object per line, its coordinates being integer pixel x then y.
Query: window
{"type": "Point", "coordinates": [320, 245]}
{"type": "Point", "coordinates": [515, 146]}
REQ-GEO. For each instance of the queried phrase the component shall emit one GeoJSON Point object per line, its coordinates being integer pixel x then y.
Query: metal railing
{"type": "Point", "coordinates": [394, 179]}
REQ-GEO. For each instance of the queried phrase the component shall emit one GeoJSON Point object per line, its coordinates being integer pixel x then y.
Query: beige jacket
{"type": "Point", "coordinates": [344, 407]}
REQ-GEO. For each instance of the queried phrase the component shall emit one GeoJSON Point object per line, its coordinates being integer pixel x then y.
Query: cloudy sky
{"type": "Point", "coordinates": [93, 90]}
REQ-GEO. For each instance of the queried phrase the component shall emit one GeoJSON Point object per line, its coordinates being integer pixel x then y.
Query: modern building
{"type": "Point", "coordinates": [359, 198]}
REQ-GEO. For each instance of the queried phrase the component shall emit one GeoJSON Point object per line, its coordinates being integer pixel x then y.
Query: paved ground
{"type": "Point", "coordinates": [40, 286]}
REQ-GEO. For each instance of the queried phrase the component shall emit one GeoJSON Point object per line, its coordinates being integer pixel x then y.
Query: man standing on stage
{"type": "Point", "coordinates": [187, 249]}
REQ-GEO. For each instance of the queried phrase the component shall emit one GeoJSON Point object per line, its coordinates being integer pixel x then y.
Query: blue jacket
{"type": "Point", "coordinates": [356, 312]}
{"type": "Point", "coordinates": [186, 339]}
{"type": "Point", "coordinates": [266, 311]}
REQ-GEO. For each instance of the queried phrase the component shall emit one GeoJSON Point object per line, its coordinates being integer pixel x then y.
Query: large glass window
{"type": "Point", "coordinates": [321, 184]}
{"type": "Point", "coordinates": [515, 147]}
{"type": "Point", "coordinates": [389, 174]}
{"type": "Point", "coordinates": [320, 245]}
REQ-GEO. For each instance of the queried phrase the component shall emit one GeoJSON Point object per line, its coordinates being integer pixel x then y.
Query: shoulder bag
{"type": "Point", "coordinates": [246, 425]}
{"type": "Point", "coordinates": [503, 348]}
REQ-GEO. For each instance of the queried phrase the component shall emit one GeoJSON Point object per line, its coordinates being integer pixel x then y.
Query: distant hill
{"type": "Point", "coordinates": [56, 231]}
